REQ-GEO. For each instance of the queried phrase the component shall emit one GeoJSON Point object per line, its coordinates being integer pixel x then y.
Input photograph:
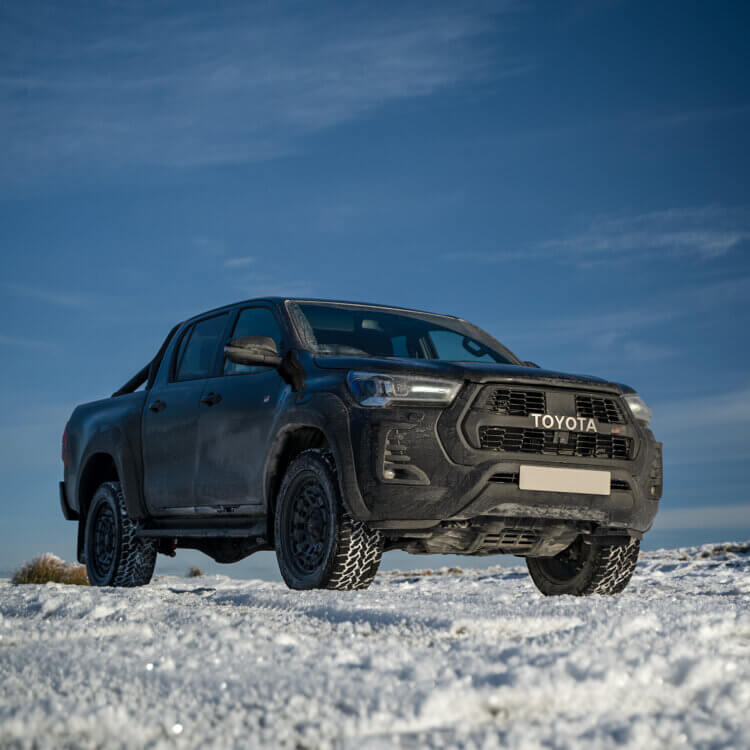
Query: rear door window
{"type": "Point", "coordinates": [197, 351]}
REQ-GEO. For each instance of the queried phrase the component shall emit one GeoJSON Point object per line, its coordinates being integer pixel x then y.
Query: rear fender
{"type": "Point", "coordinates": [114, 443]}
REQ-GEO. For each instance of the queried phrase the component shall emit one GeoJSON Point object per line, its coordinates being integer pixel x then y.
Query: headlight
{"type": "Point", "coordinates": [371, 389]}
{"type": "Point", "coordinates": [639, 408]}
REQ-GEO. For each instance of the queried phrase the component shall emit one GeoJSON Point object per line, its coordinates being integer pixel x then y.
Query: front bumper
{"type": "Point", "coordinates": [418, 469]}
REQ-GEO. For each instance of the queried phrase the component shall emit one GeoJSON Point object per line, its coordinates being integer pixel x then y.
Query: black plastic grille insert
{"type": "Point", "coordinates": [530, 440]}
{"type": "Point", "coordinates": [516, 403]}
{"type": "Point", "coordinates": [604, 409]}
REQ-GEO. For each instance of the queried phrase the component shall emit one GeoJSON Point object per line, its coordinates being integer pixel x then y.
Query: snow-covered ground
{"type": "Point", "coordinates": [477, 659]}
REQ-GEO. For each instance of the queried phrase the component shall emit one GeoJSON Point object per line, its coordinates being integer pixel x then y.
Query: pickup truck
{"type": "Point", "coordinates": [334, 431]}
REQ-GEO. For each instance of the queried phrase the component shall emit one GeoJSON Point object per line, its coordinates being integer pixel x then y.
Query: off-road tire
{"type": "Point", "coordinates": [603, 569]}
{"type": "Point", "coordinates": [128, 559]}
{"type": "Point", "coordinates": [347, 554]}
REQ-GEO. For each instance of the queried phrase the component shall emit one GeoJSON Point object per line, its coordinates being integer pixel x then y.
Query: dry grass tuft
{"type": "Point", "coordinates": [194, 572]}
{"type": "Point", "coordinates": [51, 569]}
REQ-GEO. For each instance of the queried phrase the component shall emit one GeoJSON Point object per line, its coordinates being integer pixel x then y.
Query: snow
{"type": "Point", "coordinates": [475, 660]}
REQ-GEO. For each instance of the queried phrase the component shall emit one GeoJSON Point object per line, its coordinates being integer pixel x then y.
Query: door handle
{"type": "Point", "coordinates": [211, 399]}
{"type": "Point", "coordinates": [157, 406]}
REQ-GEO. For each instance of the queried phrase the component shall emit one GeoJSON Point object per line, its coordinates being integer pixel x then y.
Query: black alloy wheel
{"type": "Point", "coordinates": [567, 564]}
{"type": "Point", "coordinates": [115, 554]}
{"type": "Point", "coordinates": [105, 540]}
{"type": "Point", "coordinates": [318, 543]}
{"type": "Point", "coordinates": [309, 528]}
{"type": "Point", "coordinates": [586, 567]}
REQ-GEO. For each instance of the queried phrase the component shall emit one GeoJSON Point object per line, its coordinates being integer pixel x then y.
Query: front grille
{"type": "Point", "coordinates": [603, 409]}
{"type": "Point", "coordinates": [516, 403]}
{"type": "Point", "coordinates": [620, 485]}
{"type": "Point", "coordinates": [530, 440]}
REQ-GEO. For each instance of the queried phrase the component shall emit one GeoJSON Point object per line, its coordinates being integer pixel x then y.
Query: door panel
{"type": "Point", "coordinates": [236, 421]}
{"type": "Point", "coordinates": [170, 420]}
{"type": "Point", "coordinates": [169, 436]}
{"type": "Point", "coordinates": [233, 437]}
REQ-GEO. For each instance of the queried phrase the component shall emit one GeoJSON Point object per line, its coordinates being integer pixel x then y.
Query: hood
{"type": "Point", "coordinates": [478, 372]}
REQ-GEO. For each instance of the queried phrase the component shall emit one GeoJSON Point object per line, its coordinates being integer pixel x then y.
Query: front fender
{"type": "Point", "coordinates": [327, 413]}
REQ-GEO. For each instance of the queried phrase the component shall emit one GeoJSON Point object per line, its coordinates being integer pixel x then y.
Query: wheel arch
{"type": "Point", "coordinates": [108, 458]}
{"type": "Point", "coordinates": [325, 428]}
{"type": "Point", "coordinates": [99, 467]}
{"type": "Point", "coordinates": [290, 441]}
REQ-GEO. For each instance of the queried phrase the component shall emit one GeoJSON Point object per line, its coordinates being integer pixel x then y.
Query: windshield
{"type": "Point", "coordinates": [340, 330]}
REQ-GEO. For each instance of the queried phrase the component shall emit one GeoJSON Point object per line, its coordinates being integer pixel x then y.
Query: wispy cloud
{"type": "Point", "coordinates": [53, 297]}
{"type": "Point", "coordinates": [696, 116]}
{"type": "Point", "coordinates": [30, 344]}
{"type": "Point", "coordinates": [603, 333]}
{"type": "Point", "coordinates": [702, 233]}
{"type": "Point", "coordinates": [707, 517]}
{"type": "Point", "coordinates": [30, 436]}
{"type": "Point", "coordinates": [718, 409]}
{"type": "Point", "coordinates": [239, 262]}
{"type": "Point", "coordinates": [635, 334]}
{"type": "Point", "coordinates": [720, 420]}
{"type": "Point", "coordinates": [129, 84]}
{"type": "Point", "coordinates": [273, 285]}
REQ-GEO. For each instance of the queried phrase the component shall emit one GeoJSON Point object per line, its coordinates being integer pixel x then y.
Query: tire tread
{"type": "Point", "coordinates": [137, 556]}
{"type": "Point", "coordinates": [357, 549]}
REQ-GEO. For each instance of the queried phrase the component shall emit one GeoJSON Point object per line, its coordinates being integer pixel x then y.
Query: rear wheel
{"type": "Point", "coordinates": [585, 568]}
{"type": "Point", "coordinates": [115, 556]}
{"type": "Point", "coordinates": [318, 544]}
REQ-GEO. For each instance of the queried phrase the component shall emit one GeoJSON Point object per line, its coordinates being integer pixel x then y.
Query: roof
{"type": "Point", "coordinates": [280, 301]}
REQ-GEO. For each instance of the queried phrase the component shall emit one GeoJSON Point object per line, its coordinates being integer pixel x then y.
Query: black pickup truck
{"type": "Point", "coordinates": [334, 431]}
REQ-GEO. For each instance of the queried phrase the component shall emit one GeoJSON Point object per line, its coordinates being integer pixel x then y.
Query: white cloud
{"type": "Point", "coordinates": [705, 232]}
{"type": "Point", "coordinates": [273, 285]}
{"type": "Point", "coordinates": [609, 334]}
{"type": "Point", "coordinates": [53, 297]}
{"type": "Point", "coordinates": [31, 344]}
{"type": "Point", "coordinates": [239, 262]}
{"type": "Point", "coordinates": [701, 233]}
{"type": "Point", "coordinates": [707, 517]}
{"type": "Point", "coordinates": [689, 117]}
{"type": "Point", "coordinates": [714, 410]}
{"type": "Point", "coordinates": [31, 437]}
{"type": "Point", "coordinates": [706, 429]}
{"type": "Point", "coordinates": [130, 84]}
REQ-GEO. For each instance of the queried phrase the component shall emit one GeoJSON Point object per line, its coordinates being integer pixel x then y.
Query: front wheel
{"type": "Point", "coordinates": [115, 556]}
{"type": "Point", "coordinates": [585, 568]}
{"type": "Point", "coordinates": [318, 544]}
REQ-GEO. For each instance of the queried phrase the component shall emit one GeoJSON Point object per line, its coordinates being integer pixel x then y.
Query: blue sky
{"type": "Point", "coordinates": [573, 177]}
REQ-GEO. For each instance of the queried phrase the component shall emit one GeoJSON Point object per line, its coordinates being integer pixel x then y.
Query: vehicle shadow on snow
{"type": "Point", "coordinates": [375, 618]}
{"type": "Point", "coordinates": [198, 591]}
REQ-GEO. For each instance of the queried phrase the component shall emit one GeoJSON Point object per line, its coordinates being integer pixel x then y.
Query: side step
{"type": "Point", "coordinates": [250, 530]}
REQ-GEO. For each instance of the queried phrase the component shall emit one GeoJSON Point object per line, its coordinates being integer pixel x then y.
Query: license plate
{"type": "Point", "coordinates": [550, 479]}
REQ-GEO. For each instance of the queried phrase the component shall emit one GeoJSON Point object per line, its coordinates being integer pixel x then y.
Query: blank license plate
{"type": "Point", "coordinates": [549, 479]}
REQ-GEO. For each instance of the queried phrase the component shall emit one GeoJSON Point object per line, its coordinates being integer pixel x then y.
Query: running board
{"type": "Point", "coordinates": [254, 530]}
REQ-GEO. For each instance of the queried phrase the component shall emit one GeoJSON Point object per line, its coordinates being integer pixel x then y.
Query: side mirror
{"type": "Point", "coordinates": [530, 364]}
{"type": "Point", "coordinates": [253, 350]}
